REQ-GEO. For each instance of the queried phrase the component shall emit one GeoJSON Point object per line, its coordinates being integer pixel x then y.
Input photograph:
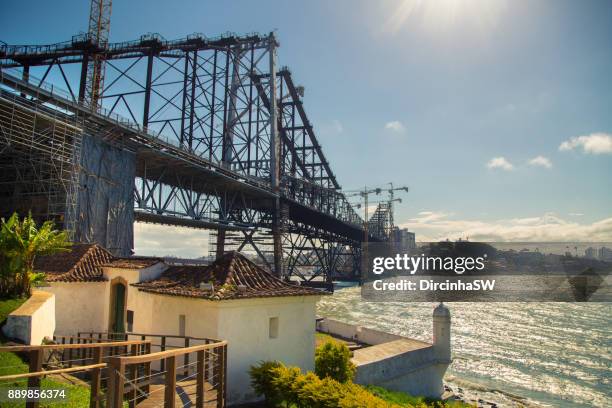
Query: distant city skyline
{"type": "Point", "coordinates": [496, 113]}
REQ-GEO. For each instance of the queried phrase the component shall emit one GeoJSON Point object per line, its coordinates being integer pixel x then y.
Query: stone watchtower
{"type": "Point", "coordinates": [441, 333]}
{"type": "Point", "coordinates": [442, 340]}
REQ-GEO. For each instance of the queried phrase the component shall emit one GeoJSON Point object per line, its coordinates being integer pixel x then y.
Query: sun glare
{"type": "Point", "coordinates": [441, 15]}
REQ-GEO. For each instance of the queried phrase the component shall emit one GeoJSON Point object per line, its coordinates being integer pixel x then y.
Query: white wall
{"type": "Point", "coordinates": [152, 272]}
{"type": "Point", "coordinates": [159, 314]}
{"type": "Point", "coordinates": [426, 381]}
{"type": "Point", "coordinates": [135, 275]}
{"type": "Point", "coordinates": [32, 321]}
{"type": "Point", "coordinates": [80, 306]}
{"type": "Point", "coordinates": [415, 372]}
{"type": "Point", "coordinates": [355, 332]}
{"type": "Point", "coordinates": [85, 306]}
{"type": "Point", "coordinates": [245, 325]}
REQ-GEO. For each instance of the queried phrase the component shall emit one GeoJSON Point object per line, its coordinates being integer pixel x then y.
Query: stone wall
{"type": "Point", "coordinates": [396, 362]}
{"type": "Point", "coordinates": [355, 332]}
{"type": "Point", "coordinates": [32, 321]}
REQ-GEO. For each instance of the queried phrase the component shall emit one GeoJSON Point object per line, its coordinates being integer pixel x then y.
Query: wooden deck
{"type": "Point", "coordinates": [185, 395]}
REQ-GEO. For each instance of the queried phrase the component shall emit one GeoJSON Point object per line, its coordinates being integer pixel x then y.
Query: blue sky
{"type": "Point", "coordinates": [426, 94]}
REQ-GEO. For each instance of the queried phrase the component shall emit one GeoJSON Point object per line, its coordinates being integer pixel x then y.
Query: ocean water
{"type": "Point", "coordinates": [530, 354]}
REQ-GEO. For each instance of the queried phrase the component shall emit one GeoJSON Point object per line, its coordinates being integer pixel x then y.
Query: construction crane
{"type": "Point", "coordinates": [98, 31]}
{"type": "Point", "coordinates": [391, 190]}
{"type": "Point", "coordinates": [364, 194]}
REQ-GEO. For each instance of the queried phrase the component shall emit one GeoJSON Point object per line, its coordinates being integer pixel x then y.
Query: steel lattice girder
{"type": "Point", "coordinates": [207, 95]}
{"type": "Point", "coordinates": [306, 192]}
{"type": "Point", "coordinates": [209, 99]}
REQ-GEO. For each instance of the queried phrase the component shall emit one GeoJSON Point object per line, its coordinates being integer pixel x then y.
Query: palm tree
{"type": "Point", "coordinates": [20, 242]}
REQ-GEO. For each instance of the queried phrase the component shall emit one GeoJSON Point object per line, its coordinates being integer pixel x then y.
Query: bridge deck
{"type": "Point", "coordinates": [177, 167]}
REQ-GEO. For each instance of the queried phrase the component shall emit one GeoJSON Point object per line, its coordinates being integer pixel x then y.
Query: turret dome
{"type": "Point", "coordinates": [441, 311]}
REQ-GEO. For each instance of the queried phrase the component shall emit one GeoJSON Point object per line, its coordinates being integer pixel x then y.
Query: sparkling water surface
{"type": "Point", "coordinates": [531, 354]}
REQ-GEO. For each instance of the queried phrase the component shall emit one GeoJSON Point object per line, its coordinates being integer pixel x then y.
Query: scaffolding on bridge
{"type": "Point", "coordinates": [202, 132]}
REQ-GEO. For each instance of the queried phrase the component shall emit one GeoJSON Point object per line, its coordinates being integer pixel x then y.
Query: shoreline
{"type": "Point", "coordinates": [458, 389]}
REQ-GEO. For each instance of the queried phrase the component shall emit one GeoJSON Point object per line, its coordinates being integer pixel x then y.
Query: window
{"type": "Point", "coordinates": [182, 323]}
{"type": "Point", "coordinates": [130, 320]}
{"type": "Point", "coordinates": [273, 329]}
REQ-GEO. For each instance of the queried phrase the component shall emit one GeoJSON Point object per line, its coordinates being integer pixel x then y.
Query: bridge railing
{"type": "Point", "coordinates": [62, 93]}
{"type": "Point", "coordinates": [327, 200]}
{"type": "Point", "coordinates": [159, 342]}
{"type": "Point", "coordinates": [67, 97]}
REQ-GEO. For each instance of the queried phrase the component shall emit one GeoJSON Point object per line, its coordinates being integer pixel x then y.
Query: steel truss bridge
{"type": "Point", "coordinates": [198, 132]}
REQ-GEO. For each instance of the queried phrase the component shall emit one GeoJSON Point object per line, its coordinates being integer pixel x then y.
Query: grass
{"type": "Point", "coordinates": [322, 338]}
{"type": "Point", "coordinates": [8, 305]}
{"type": "Point", "coordinates": [405, 400]}
{"type": "Point", "coordinates": [398, 399]}
{"type": "Point", "coordinates": [11, 363]}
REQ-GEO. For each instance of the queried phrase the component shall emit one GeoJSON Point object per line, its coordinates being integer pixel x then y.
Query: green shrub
{"type": "Point", "coordinates": [333, 360]}
{"type": "Point", "coordinates": [358, 396]}
{"type": "Point", "coordinates": [288, 387]}
{"type": "Point", "coordinates": [262, 377]}
{"type": "Point", "coordinates": [405, 400]}
{"type": "Point", "coordinates": [321, 393]}
{"type": "Point", "coordinates": [287, 382]}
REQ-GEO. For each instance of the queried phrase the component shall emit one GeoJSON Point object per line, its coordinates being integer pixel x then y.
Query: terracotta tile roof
{"type": "Point", "coordinates": [233, 277]}
{"type": "Point", "coordinates": [82, 264]}
{"type": "Point", "coordinates": [135, 262]}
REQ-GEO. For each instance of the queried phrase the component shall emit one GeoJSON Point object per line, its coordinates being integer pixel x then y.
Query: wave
{"type": "Point", "coordinates": [543, 354]}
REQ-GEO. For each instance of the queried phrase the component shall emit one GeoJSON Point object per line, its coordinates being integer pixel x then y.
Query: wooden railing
{"type": "Point", "coordinates": [209, 372]}
{"type": "Point", "coordinates": [60, 357]}
{"type": "Point", "coordinates": [159, 342]}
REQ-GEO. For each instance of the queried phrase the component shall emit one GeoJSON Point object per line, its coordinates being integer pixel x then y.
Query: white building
{"type": "Point", "coordinates": [260, 316]}
{"type": "Point", "coordinates": [605, 254]}
{"type": "Point", "coordinates": [404, 239]}
{"type": "Point", "coordinates": [590, 253]}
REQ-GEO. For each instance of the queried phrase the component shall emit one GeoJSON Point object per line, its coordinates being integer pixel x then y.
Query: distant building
{"type": "Point", "coordinates": [590, 253]}
{"type": "Point", "coordinates": [605, 254]}
{"type": "Point", "coordinates": [404, 239]}
{"type": "Point", "coordinates": [525, 256]}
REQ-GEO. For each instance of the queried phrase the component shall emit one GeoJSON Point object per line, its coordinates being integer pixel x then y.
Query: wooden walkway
{"type": "Point", "coordinates": [185, 395]}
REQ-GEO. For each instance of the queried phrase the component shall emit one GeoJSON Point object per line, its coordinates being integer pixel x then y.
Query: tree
{"type": "Point", "coordinates": [333, 360]}
{"type": "Point", "coordinates": [20, 242]}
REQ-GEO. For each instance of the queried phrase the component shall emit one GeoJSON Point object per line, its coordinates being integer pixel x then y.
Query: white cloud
{"type": "Point", "coordinates": [332, 128]}
{"type": "Point", "coordinates": [500, 163]}
{"type": "Point", "coordinates": [428, 216]}
{"type": "Point", "coordinates": [162, 240]}
{"type": "Point", "coordinates": [337, 126]}
{"type": "Point", "coordinates": [540, 161]}
{"type": "Point", "coordinates": [395, 126]}
{"type": "Point", "coordinates": [575, 214]}
{"type": "Point", "coordinates": [595, 143]}
{"type": "Point", "coordinates": [433, 226]}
